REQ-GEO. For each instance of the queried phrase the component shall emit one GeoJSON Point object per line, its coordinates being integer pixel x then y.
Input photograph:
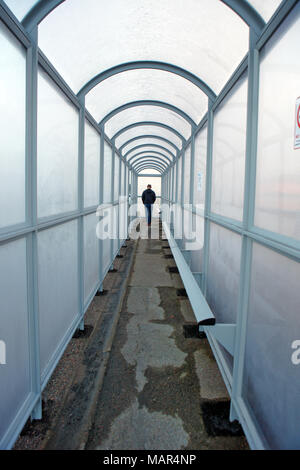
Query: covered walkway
{"type": "Point", "coordinates": [201, 99]}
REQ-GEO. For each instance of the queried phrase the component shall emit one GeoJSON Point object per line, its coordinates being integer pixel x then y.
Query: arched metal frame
{"type": "Point", "coordinates": [150, 136]}
{"type": "Point", "coordinates": [241, 7]}
{"type": "Point", "coordinates": [148, 123]}
{"type": "Point", "coordinates": [150, 162]}
{"type": "Point", "coordinates": [159, 162]}
{"type": "Point", "coordinates": [146, 167]}
{"type": "Point", "coordinates": [156, 146]}
{"type": "Point", "coordinates": [160, 104]}
{"type": "Point", "coordinates": [149, 153]}
{"type": "Point", "coordinates": [157, 65]}
{"type": "Point", "coordinates": [165, 159]}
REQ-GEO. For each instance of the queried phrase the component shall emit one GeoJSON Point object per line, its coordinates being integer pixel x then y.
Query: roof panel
{"type": "Point", "coordinates": [265, 8]}
{"type": "Point", "coordinates": [20, 7]}
{"type": "Point", "coordinates": [145, 84]}
{"type": "Point", "coordinates": [202, 36]}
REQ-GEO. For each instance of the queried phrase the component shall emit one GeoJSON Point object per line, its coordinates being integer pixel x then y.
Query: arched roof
{"type": "Point", "coordinates": [145, 70]}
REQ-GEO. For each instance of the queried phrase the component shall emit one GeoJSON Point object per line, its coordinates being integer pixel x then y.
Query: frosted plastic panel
{"type": "Point", "coordinates": [175, 182]}
{"type": "Point", "coordinates": [116, 225]}
{"type": "Point", "coordinates": [145, 31]}
{"type": "Point", "coordinates": [187, 175]}
{"type": "Point", "coordinates": [12, 125]}
{"type": "Point", "coordinates": [148, 130]}
{"type": "Point", "coordinates": [116, 178]}
{"type": "Point", "coordinates": [145, 142]}
{"type": "Point", "coordinates": [278, 164]}
{"type": "Point", "coordinates": [20, 7]}
{"type": "Point", "coordinates": [91, 255]}
{"type": "Point", "coordinates": [145, 84]}
{"type": "Point", "coordinates": [200, 169]}
{"type": "Point", "coordinates": [107, 179]}
{"type": "Point", "coordinates": [106, 261]}
{"type": "Point", "coordinates": [58, 287]}
{"type": "Point", "coordinates": [179, 180]}
{"type": "Point", "coordinates": [91, 166]}
{"type": "Point", "coordinates": [197, 251]}
{"type": "Point", "coordinates": [265, 8]}
{"type": "Point", "coordinates": [57, 148]}
{"type": "Point", "coordinates": [229, 147]}
{"type": "Point", "coordinates": [271, 380]}
{"type": "Point", "coordinates": [122, 179]}
{"type": "Point", "coordinates": [223, 273]}
{"type": "Point", "coordinates": [148, 113]}
{"type": "Point", "coordinates": [15, 374]}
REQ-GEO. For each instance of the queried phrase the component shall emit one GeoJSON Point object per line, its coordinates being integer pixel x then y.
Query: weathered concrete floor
{"type": "Point", "coordinates": [156, 379]}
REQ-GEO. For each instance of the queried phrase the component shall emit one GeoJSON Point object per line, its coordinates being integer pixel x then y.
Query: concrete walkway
{"type": "Point", "coordinates": [156, 379]}
{"type": "Point", "coordinates": [132, 380]}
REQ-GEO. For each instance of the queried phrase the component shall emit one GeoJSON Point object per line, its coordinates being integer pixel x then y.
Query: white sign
{"type": "Point", "coordinates": [2, 353]}
{"type": "Point", "coordinates": [297, 125]}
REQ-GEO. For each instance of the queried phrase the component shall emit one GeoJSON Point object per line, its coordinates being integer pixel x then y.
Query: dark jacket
{"type": "Point", "coordinates": [148, 196]}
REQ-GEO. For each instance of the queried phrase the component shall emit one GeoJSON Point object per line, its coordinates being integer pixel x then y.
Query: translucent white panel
{"type": "Point", "coordinates": [116, 225]}
{"type": "Point", "coordinates": [223, 273]}
{"type": "Point", "coordinates": [12, 125]}
{"type": "Point", "coordinates": [179, 180]}
{"type": "Point", "coordinates": [265, 8]}
{"type": "Point", "coordinates": [148, 130]}
{"type": "Point", "coordinates": [278, 164]}
{"type": "Point", "coordinates": [14, 332]}
{"type": "Point", "coordinates": [116, 178]}
{"type": "Point", "coordinates": [58, 286]}
{"type": "Point", "coordinates": [229, 147]}
{"type": "Point", "coordinates": [146, 142]}
{"type": "Point", "coordinates": [145, 84]}
{"type": "Point", "coordinates": [106, 258]}
{"type": "Point", "coordinates": [174, 32]}
{"type": "Point", "coordinates": [197, 250]}
{"type": "Point", "coordinates": [122, 178]}
{"type": "Point", "coordinates": [107, 171]}
{"type": "Point", "coordinates": [271, 380]}
{"type": "Point", "coordinates": [57, 150]}
{"type": "Point", "coordinates": [187, 175]}
{"type": "Point", "coordinates": [91, 255]}
{"type": "Point", "coordinates": [200, 169]}
{"type": "Point", "coordinates": [148, 113]}
{"type": "Point", "coordinates": [91, 166]}
{"type": "Point", "coordinates": [175, 182]}
{"type": "Point", "coordinates": [20, 7]}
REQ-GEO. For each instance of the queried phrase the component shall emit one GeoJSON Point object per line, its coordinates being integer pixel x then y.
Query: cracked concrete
{"type": "Point", "coordinates": [148, 344]}
{"type": "Point", "coordinates": [157, 379]}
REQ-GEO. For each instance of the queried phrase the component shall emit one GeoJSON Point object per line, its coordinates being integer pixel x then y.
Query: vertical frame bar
{"type": "Point", "coordinates": [81, 137]}
{"type": "Point", "coordinates": [248, 218]}
{"type": "Point", "coordinates": [101, 198]}
{"type": "Point", "coordinates": [32, 216]}
{"type": "Point", "coordinates": [208, 189]}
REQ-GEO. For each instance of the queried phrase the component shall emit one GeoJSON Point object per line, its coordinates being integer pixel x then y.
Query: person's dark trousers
{"type": "Point", "coordinates": [149, 210]}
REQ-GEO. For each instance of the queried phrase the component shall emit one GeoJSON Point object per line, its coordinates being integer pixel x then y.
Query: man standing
{"type": "Point", "coordinates": [148, 198]}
